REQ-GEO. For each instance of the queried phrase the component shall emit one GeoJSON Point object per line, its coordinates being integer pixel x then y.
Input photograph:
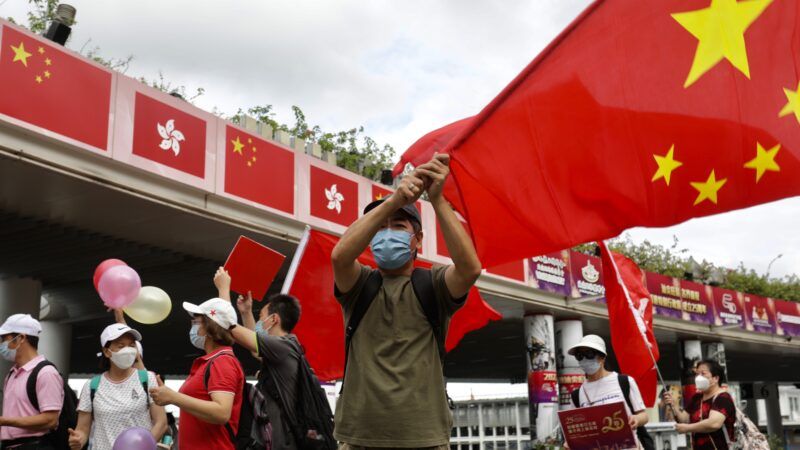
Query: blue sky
{"type": "Point", "coordinates": [399, 68]}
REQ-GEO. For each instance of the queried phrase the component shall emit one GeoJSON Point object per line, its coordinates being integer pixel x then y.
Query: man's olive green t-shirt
{"type": "Point", "coordinates": [394, 393]}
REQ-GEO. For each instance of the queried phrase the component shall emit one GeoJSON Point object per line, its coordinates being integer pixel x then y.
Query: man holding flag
{"type": "Point", "coordinates": [393, 392]}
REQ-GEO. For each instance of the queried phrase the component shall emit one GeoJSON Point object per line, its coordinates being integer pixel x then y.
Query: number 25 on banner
{"type": "Point", "coordinates": [613, 423]}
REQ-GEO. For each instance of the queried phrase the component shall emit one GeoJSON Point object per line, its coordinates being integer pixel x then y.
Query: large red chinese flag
{"type": "Point", "coordinates": [640, 113]}
{"type": "Point", "coordinates": [169, 136]}
{"type": "Point", "coordinates": [321, 325]}
{"type": "Point", "coordinates": [53, 88]}
{"type": "Point", "coordinates": [258, 170]}
{"type": "Point", "coordinates": [630, 317]}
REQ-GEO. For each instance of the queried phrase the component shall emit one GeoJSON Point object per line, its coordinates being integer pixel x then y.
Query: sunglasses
{"type": "Point", "coordinates": [587, 354]}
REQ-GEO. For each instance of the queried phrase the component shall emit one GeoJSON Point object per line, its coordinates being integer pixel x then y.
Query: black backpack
{"type": "Point", "coordinates": [67, 418]}
{"type": "Point", "coordinates": [312, 424]}
{"type": "Point", "coordinates": [625, 386]}
{"type": "Point", "coordinates": [255, 430]}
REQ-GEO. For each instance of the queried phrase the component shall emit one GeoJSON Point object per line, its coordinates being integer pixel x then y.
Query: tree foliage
{"type": "Point", "coordinates": [674, 261]}
{"type": "Point", "coordinates": [354, 150]}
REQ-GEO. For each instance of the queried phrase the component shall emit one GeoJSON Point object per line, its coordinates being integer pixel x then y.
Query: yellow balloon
{"type": "Point", "coordinates": [151, 306]}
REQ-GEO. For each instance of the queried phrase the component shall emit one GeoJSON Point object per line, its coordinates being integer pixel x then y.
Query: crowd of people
{"type": "Point", "coordinates": [393, 392]}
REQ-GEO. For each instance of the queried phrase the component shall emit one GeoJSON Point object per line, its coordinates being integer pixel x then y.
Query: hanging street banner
{"type": "Point", "coordinates": [788, 317]}
{"type": "Point", "coordinates": [586, 275]}
{"type": "Point", "coordinates": [728, 308]}
{"type": "Point", "coordinates": [759, 313]}
{"type": "Point", "coordinates": [551, 273]}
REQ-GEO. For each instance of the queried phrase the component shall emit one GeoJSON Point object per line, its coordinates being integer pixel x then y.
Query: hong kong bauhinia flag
{"type": "Point", "coordinates": [321, 329]}
{"type": "Point", "coordinates": [169, 136]}
{"type": "Point", "coordinates": [639, 113]}
{"type": "Point", "coordinates": [630, 317]}
{"type": "Point", "coordinates": [50, 87]}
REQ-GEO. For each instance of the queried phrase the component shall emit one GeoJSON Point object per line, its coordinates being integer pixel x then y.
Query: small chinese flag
{"type": "Point", "coordinates": [258, 170]}
{"type": "Point", "coordinates": [48, 86]}
{"type": "Point", "coordinates": [252, 267]}
{"type": "Point", "coordinates": [169, 136]}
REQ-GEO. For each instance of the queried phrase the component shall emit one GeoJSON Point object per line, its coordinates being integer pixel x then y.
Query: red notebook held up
{"type": "Point", "coordinates": [252, 267]}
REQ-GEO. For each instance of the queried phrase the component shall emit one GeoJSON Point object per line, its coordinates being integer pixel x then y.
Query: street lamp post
{"type": "Point", "coordinates": [769, 266]}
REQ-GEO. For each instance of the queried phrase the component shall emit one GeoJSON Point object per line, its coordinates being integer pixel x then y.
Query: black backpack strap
{"type": "Point", "coordinates": [422, 282]}
{"type": "Point", "coordinates": [576, 397]}
{"type": "Point", "coordinates": [30, 386]}
{"type": "Point", "coordinates": [368, 293]}
{"type": "Point", "coordinates": [207, 376]}
{"type": "Point", "coordinates": [625, 386]}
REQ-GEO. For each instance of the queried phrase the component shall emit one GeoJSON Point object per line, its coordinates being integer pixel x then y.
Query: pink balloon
{"type": "Point", "coordinates": [119, 286]}
{"type": "Point", "coordinates": [103, 266]}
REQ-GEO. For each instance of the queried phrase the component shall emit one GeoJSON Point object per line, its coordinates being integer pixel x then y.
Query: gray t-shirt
{"type": "Point", "coordinates": [278, 358]}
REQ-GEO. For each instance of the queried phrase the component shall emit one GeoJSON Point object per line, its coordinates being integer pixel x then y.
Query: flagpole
{"type": "Point", "coordinates": [298, 255]}
{"type": "Point", "coordinates": [641, 333]}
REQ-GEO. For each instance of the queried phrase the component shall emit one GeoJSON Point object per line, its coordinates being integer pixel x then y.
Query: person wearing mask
{"type": "Point", "coordinates": [117, 399]}
{"type": "Point", "coordinates": [271, 340]}
{"type": "Point", "coordinates": [711, 413]}
{"type": "Point", "coordinates": [210, 399]}
{"type": "Point", "coordinates": [393, 394]}
{"type": "Point", "coordinates": [603, 387]}
{"type": "Point", "coordinates": [22, 425]}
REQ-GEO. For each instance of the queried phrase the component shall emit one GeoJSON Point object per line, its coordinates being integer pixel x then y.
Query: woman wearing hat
{"type": "Point", "coordinates": [117, 399]}
{"type": "Point", "coordinates": [210, 399]}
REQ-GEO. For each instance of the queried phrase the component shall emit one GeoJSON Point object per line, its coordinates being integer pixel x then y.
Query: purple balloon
{"type": "Point", "coordinates": [119, 286]}
{"type": "Point", "coordinates": [135, 439]}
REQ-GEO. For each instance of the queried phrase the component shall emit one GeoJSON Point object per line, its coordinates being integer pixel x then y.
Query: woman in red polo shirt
{"type": "Point", "coordinates": [211, 398]}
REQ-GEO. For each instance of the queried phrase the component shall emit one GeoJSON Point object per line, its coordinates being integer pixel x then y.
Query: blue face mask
{"type": "Point", "coordinates": [7, 353]}
{"type": "Point", "coordinates": [392, 248]}
{"type": "Point", "coordinates": [197, 340]}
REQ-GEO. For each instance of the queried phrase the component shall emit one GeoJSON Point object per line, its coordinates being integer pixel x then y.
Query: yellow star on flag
{"type": "Point", "coordinates": [48, 62]}
{"type": "Point", "coordinates": [708, 190]}
{"type": "Point", "coordinates": [39, 79]}
{"type": "Point", "coordinates": [20, 54]}
{"type": "Point", "coordinates": [41, 50]}
{"type": "Point", "coordinates": [764, 161]}
{"type": "Point", "coordinates": [47, 74]}
{"type": "Point", "coordinates": [666, 164]}
{"type": "Point", "coordinates": [792, 104]}
{"type": "Point", "coordinates": [719, 30]}
{"type": "Point", "coordinates": [237, 146]}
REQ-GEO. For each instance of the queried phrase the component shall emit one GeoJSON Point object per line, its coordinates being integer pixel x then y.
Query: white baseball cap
{"type": "Point", "coordinates": [21, 324]}
{"type": "Point", "coordinates": [219, 310]}
{"type": "Point", "coordinates": [115, 330]}
{"type": "Point", "coordinates": [591, 341]}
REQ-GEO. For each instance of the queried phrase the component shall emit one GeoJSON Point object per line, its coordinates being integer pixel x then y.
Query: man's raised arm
{"type": "Point", "coordinates": [357, 237]}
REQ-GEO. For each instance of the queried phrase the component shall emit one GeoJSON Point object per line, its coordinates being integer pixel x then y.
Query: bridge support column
{"type": "Point", "coordinates": [772, 399]}
{"type": "Point", "coordinates": [542, 376]}
{"type": "Point", "coordinates": [17, 296]}
{"type": "Point", "coordinates": [691, 352]}
{"type": "Point", "coordinates": [570, 375]}
{"type": "Point", "coordinates": [56, 344]}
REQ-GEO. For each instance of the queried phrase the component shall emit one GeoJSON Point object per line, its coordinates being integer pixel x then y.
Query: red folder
{"type": "Point", "coordinates": [252, 267]}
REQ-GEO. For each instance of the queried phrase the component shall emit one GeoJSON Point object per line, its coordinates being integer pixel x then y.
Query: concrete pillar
{"type": "Point", "coordinates": [542, 376]}
{"type": "Point", "coordinates": [715, 351]}
{"type": "Point", "coordinates": [17, 296]}
{"type": "Point", "coordinates": [691, 352]}
{"type": "Point", "coordinates": [56, 344]}
{"type": "Point", "coordinates": [772, 399]}
{"type": "Point", "coordinates": [570, 374]}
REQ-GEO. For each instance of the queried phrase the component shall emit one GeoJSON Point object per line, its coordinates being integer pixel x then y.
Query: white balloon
{"type": "Point", "coordinates": [151, 306]}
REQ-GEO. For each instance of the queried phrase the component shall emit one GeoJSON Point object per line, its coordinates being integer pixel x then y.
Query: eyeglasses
{"type": "Point", "coordinates": [587, 354]}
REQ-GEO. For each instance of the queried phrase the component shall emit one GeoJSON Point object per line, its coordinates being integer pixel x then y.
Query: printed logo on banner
{"type": "Point", "coordinates": [759, 316]}
{"type": "Point", "coordinates": [335, 199]}
{"type": "Point", "coordinates": [587, 276]}
{"type": "Point", "coordinates": [788, 315]}
{"type": "Point", "coordinates": [728, 304]}
{"type": "Point", "coordinates": [171, 138]}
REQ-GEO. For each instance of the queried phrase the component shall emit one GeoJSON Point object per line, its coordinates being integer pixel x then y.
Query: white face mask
{"type": "Point", "coordinates": [589, 366]}
{"type": "Point", "coordinates": [124, 358]}
{"type": "Point", "coordinates": [701, 383]}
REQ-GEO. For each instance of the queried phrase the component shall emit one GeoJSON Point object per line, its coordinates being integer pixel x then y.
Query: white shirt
{"type": "Point", "coordinates": [607, 390]}
{"type": "Point", "coordinates": [117, 406]}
